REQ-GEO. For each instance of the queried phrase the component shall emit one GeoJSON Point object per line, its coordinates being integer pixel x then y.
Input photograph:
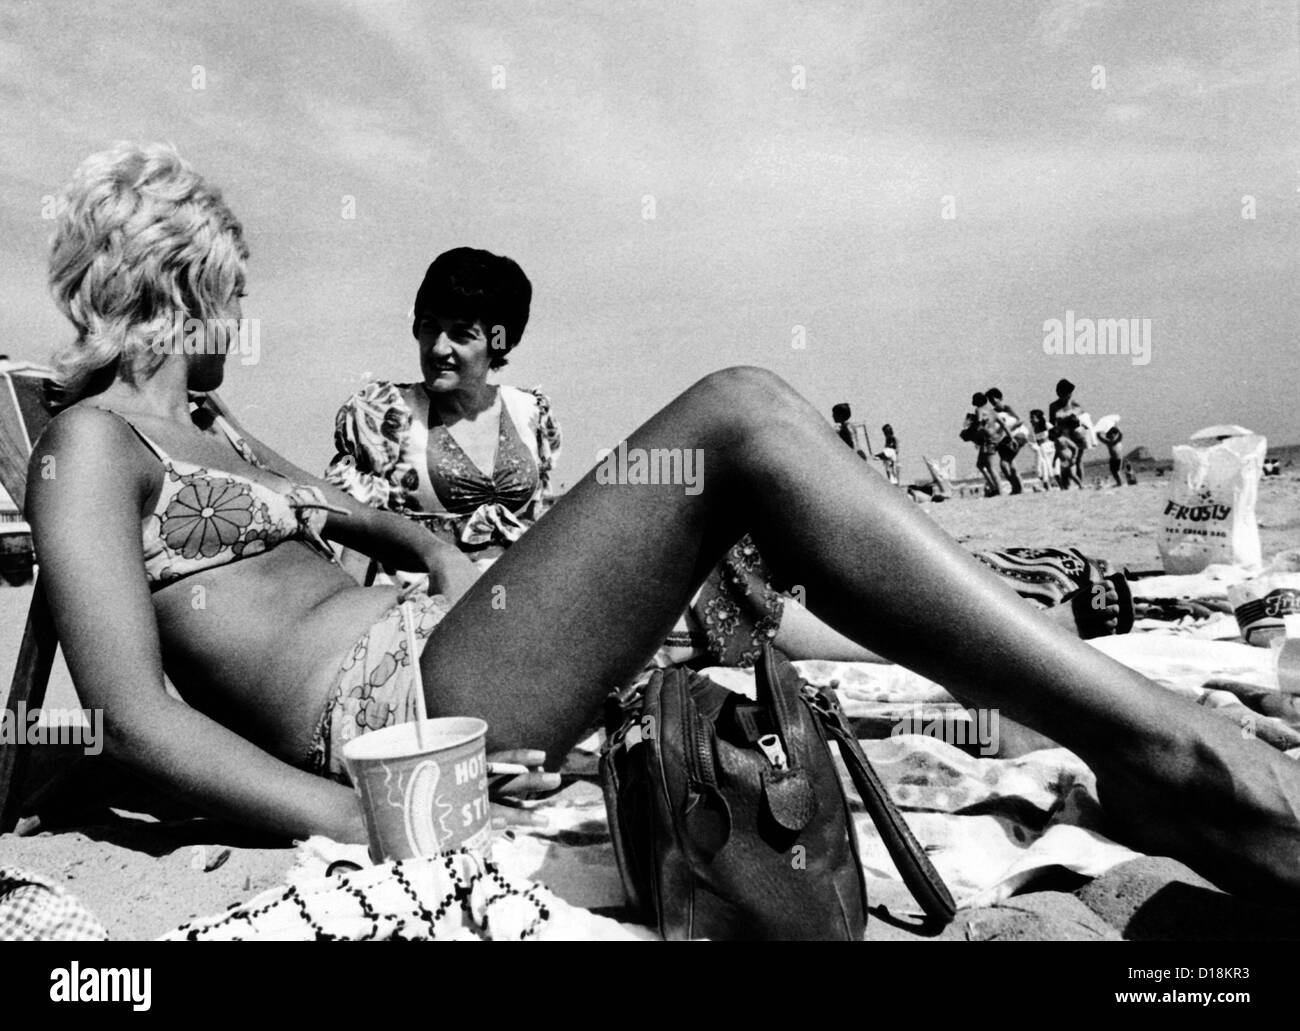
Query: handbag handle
{"type": "Point", "coordinates": [919, 874]}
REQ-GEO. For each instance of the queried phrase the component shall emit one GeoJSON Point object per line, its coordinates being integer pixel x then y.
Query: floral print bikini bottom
{"type": "Point", "coordinates": [375, 686]}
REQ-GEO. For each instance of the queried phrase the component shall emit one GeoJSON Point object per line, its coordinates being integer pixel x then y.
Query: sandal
{"type": "Point", "coordinates": [1092, 621]}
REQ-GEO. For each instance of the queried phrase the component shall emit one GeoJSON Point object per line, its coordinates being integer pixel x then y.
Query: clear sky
{"type": "Point", "coordinates": [800, 159]}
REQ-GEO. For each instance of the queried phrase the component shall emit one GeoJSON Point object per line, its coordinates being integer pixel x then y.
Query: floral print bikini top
{"type": "Point", "coordinates": [462, 486]}
{"type": "Point", "coordinates": [206, 518]}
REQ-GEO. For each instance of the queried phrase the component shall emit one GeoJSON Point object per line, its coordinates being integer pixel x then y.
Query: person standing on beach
{"type": "Point", "coordinates": [1017, 437]}
{"type": "Point", "coordinates": [971, 433]}
{"type": "Point", "coordinates": [1066, 454]}
{"type": "Point", "coordinates": [841, 414]}
{"type": "Point", "coordinates": [998, 440]}
{"type": "Point", "coordinates": [1111, 438]}
{"type": "Point", "coordinates": [1013, 423]}
{"type": "Point", "coordinates": [1065, 413]}
{"type": "Point", "coordinates": [1044, 449]}
{"type": "Point", "coordinates": [985, 432]}
{"type": "Point", "coordinates": [889, 454]}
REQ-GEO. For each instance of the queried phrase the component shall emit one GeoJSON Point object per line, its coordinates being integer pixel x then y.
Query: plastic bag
{"type": "Point", "coordinates": [1209, 515]}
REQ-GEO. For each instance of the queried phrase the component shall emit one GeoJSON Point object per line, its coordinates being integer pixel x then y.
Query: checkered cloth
{"type": "Point", "coordinates": [453, 896]}
{"type": "Point", "coordinates": [34, 908]}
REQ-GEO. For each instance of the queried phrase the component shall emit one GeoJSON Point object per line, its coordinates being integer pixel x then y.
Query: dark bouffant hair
{"type": "Point", "coordinates": [842, 412]}
{"type": "Point", "coordinates": [477, 286]}
{"type": "Point", "coordinates": [978, 400]}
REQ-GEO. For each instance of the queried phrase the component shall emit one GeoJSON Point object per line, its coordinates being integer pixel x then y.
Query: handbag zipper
{"type": "Point", "coordinates": [700, 759]}
{"type": "Point", "coordinates": [771, 747]}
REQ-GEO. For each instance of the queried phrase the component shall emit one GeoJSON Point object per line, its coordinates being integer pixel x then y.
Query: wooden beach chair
{"type": "Point", "coordinates": [20, 791]}
{"type": "Point", "coordinates": [22, 418]}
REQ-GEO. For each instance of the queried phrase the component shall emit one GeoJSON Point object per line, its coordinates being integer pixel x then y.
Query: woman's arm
{"type": "Point", "coordinates": [364, 457]}
{"type": "Point", "coordinates": [547, 440]}
{"type": "Point", "coordinates": [393, 540]}
{"type": "Point", "coordinates": [88, 486]}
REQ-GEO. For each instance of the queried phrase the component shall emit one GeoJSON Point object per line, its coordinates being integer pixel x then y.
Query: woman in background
{"type": "Point", "coordinates": [470, 459]}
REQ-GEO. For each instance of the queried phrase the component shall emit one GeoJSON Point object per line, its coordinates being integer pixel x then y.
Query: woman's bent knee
{"type": "Point", "coordinates": [747, 392]}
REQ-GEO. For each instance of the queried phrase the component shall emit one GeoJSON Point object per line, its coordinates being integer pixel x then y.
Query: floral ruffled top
{"type": "Point", "coordinates": [388, 459]}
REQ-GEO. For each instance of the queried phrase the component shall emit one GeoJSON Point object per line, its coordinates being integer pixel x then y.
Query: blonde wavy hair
{"type": "Point", "coordinates": [140, 239]}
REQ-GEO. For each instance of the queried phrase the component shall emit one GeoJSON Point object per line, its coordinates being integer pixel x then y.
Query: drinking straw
{"type": "Point", "coordinates": [507, 769]}
{"type": "Point", "coordinates": [413, 654]}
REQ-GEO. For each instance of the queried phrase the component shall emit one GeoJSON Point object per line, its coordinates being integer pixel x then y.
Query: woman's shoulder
{"type": "Point", "coordinates": [528, 395]}
{"type": "Point", "coordinates": [84, 428]}
{"type": "Point", "coordinates": [531, 400]}
{"type": "Point", "coordinates": [100, 446]}
{"type": "Point", "coordinates": [380, 393]}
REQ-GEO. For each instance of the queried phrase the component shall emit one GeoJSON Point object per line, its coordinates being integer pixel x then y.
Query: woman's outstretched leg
{"type": "Point", "coordinates": [578, 605]}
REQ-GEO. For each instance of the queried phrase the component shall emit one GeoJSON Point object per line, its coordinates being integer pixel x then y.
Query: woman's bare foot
{"type": "Point", "coordinates": [1220, 801]}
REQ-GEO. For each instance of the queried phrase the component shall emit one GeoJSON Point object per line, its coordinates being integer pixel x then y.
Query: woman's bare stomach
{"type": "Point", "coordinates": [257, 644]}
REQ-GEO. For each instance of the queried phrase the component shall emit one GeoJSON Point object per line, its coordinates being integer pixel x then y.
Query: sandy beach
{"type": "Point", "coordinates": [1117, 523]}
{"type": "Point", "coordinates": [142, 879]}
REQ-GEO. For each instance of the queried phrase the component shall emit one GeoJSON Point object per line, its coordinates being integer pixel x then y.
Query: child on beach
{"type": "Point", "coordinates": [1068, 416]}
{"type": "Point", "coordinates": [1112, 438]}
{"type": "Point", "coordinates": [1067, 452]}
{"type": "Point", "coordinates": [889, 454]}
{"type": "Point", "coordinates": [1044, 450]}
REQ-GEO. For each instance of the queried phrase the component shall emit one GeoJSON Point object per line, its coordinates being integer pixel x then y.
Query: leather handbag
{"type": "Point", "coordinates": [729, 818]}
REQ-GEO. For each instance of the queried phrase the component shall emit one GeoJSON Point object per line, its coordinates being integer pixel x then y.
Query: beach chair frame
{"type": "Point", "coordinates": [30, 681]}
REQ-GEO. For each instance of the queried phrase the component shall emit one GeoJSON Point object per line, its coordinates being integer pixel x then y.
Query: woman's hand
{"type": "Point", "coordinates": [1261, 712]}
{"type": "Point", "coordinates": [451, 574]}
{"type": "Point", "coordinates": [507, 791]}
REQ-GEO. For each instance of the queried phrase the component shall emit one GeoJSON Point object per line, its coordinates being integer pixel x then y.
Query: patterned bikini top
{"type": "Point", "coordinates": [462, 487]}
{"type": "Point", "coordinates": [206, 518]}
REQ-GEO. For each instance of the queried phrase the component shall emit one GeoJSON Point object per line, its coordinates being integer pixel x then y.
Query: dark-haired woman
{"type": "Point", "coordinates": [470, 459]}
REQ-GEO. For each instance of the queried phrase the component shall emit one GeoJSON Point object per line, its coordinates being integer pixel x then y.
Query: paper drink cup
{"type": "Point", "coordinates": [422, 801]}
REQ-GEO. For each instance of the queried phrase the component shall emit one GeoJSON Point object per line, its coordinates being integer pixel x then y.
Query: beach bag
{"type": "Point", "coordinates": [1209, 515]}
{"type": "Point", "coordinates": [728, 816]}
